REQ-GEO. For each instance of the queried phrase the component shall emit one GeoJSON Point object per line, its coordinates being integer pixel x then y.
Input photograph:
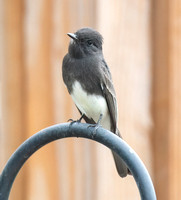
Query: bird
{"type": "Point", "coordinates": [89, 82]}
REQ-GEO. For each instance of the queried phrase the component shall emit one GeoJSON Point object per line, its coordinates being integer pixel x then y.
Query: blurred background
{"type": "Point", "coordinates": [142, 46]}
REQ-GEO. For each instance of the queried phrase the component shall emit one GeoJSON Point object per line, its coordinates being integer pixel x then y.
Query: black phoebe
{"type": "Point", "coordinates": [89, 83]}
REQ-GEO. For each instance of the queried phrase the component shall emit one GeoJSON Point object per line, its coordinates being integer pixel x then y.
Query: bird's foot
{"type": "Point", "coordinates": [76, 121]}
{"type": "Point", "coordinates": [97, 125]}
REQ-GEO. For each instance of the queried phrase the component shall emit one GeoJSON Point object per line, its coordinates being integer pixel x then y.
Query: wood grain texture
{"type": "Point", "coordinates": [12, 99]}
{"type": "Point", "coordinates": [174, 99]}
{"type": "Point", "coordinates": [142, 48]}
{"type": "Point", "coordinates": [166, 109]}
{"type": "Point", "coordinates": [42, 167]}
{"type": "Point", "coordinates": [160, 46]}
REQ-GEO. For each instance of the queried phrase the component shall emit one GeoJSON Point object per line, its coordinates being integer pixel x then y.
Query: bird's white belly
{"type": "Point", "coordinates": [91, 105]}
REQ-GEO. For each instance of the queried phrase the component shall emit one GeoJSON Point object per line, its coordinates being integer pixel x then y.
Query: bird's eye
{"type": "Point", "coordinates": [89, 42]}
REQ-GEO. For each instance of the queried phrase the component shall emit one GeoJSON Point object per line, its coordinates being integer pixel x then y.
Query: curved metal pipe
{"type": "Point", "coordinates": [65, 130]}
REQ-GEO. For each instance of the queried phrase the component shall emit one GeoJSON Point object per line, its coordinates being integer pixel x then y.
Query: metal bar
{"type": "Point", "coordinates": [65, 130]}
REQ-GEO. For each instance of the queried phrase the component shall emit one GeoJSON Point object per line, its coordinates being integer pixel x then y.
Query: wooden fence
{"type": "Point", "coordinates": [142, 46]}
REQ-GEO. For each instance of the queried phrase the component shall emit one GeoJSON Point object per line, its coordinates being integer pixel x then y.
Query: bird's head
{"type": "Point", "coordinates": [85, 42]}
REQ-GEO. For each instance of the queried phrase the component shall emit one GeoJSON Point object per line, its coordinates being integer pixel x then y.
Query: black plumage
{"type": "Point", "coordinates": [89, 82]}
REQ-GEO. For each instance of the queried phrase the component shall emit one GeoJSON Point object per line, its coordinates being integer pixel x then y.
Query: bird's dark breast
{"type": "Point", "coordinates": [86, 71]}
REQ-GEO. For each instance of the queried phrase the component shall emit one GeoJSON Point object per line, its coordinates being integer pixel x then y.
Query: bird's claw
{"type": "Point", "coordinates": [75, 121]}
{"type": "Point", "coordinates": [96, 126]}
{"type": "Point", "coordinates": [70, 120]}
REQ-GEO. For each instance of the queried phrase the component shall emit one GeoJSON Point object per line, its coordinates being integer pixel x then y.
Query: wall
{"type": "Point", "coordinates": [142, 49]}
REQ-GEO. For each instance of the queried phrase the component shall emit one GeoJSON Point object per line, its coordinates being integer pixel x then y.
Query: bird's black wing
{"type": "Point", "coordinates": [110, 96]}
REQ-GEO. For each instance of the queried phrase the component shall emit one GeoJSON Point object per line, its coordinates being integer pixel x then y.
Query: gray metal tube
{"type": "Point", "coordinates": [65, 130]}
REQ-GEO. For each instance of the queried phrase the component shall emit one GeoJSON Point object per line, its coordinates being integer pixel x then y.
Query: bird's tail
{"type": "Point", "coordinates": [121, 167]}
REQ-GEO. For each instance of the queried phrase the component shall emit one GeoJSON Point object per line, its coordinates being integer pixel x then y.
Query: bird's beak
{"type": "Point", "coordinates": [73, 36]}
